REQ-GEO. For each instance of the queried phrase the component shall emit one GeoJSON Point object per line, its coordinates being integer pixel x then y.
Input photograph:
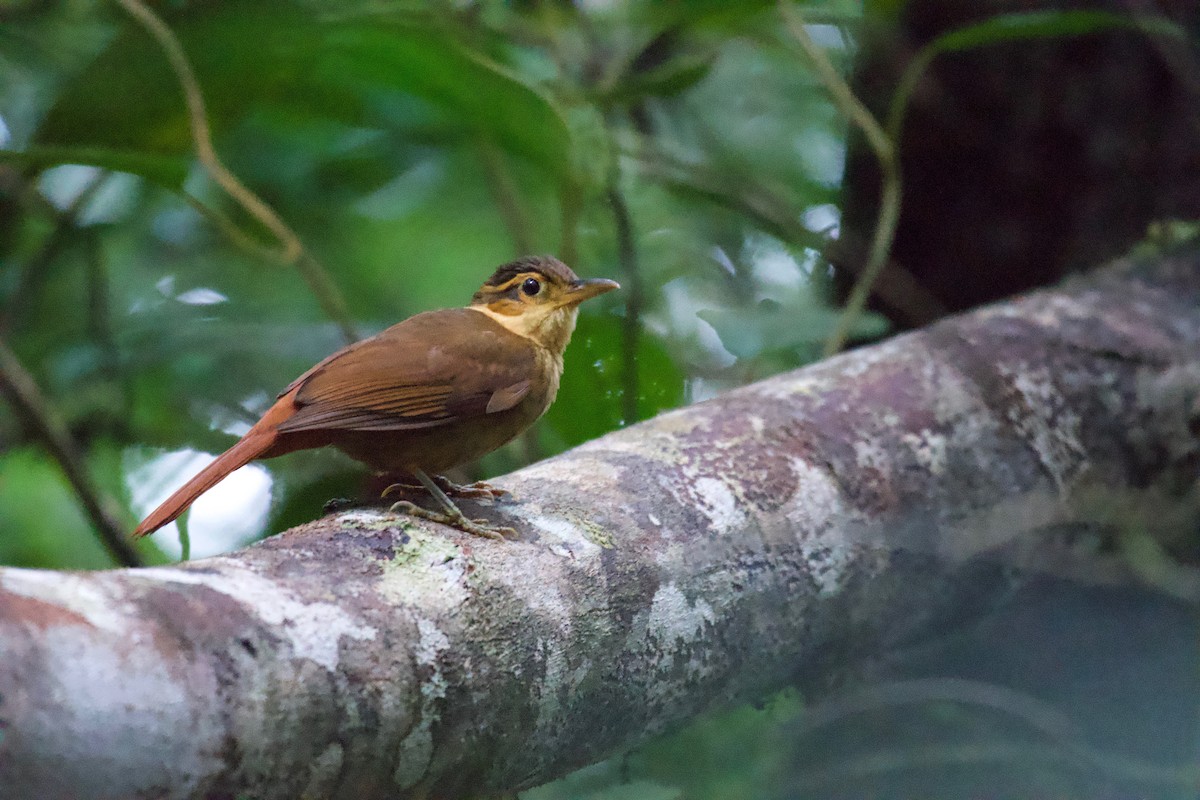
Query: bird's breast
{"type": "Point", "coordinates": [550, 368]}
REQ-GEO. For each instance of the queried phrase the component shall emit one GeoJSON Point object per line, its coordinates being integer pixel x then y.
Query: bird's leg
{"type": "Point", "coordinates": [400, 486]}
{"type": "Point", "coordinates": [479, 490]}
{"type": "Point", "coordinates": [474, 491]}
{"type": "Point", "coordinates": [452, 515]}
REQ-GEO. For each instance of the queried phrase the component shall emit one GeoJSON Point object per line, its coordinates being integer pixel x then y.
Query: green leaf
{"type": "Point", "coordinates": [666, 80]}
{"type": "Point", "coordinates": [261, 56]}
{"type": "Point", "coordinates": [40, 515]}
{"type": "Point", "coordinates": [591, 398]}
{"type": "Point", "coordinates": [724, 754]}
{"type": "Point", "coordinates": [770, 327]}
{"type": "Point", "coordinates": [165, 170]}
{"type": "Point", "coordinates": [721, 15]}
{"type": "Point", "coordinates": [480, 96]}
{"type": "Point", "coordinates": [129, 99]}
{"type": "Point", "coordinates": [1014, 27]}
{"type": "Point", "coordinates": [1045, 24]}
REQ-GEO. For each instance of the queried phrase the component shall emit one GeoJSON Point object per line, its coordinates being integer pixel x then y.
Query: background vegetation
{"type": "Point", "coordinates": [411, 149]}
{"type": "Point", "coordinates": [150, 310]}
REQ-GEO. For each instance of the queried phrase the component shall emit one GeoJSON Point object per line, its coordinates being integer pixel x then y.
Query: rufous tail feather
{"type": "Point", "coordinates": [253, 445]}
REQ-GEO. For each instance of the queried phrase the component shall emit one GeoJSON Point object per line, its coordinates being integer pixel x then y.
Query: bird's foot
{"type": "Point", "coordinates": [480, 490]}
{"type": "Point", "coordinates": [472, 491]}
{"type": "Point", "coordinates": [479, 527]}
{"type": "Point", "coordinates": [403, 489]}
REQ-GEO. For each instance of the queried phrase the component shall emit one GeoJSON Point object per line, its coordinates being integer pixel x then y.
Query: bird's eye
{"type": "Point", "coordinates": [531, 286]}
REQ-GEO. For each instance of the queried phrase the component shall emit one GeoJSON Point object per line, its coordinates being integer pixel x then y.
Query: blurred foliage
{"type": "Point", "coordinates": [724, 755]}
{"type": "Point", "coordinates": [412, 147]}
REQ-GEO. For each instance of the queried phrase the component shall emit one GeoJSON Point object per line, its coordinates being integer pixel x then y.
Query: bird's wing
{"type": "Point", "coordinates": [432, 369]}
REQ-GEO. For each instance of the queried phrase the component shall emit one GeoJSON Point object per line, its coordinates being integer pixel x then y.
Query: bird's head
{"type": "Point", "coordinates": [538, 297]}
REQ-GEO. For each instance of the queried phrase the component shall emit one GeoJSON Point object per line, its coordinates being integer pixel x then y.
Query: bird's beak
{"type": "Point", "coordinates": [587, 289]}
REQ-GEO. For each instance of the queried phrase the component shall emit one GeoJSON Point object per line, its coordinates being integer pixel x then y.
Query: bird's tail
{"type": "Point", "coordinates": [253, 445]}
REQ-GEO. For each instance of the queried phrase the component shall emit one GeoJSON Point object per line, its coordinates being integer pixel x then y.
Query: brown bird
{"type": "Point", "coordinates": [437, 390]}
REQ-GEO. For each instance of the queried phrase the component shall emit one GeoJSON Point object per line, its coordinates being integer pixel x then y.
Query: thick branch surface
{"type": "Point", "coordinates": [703, 557]}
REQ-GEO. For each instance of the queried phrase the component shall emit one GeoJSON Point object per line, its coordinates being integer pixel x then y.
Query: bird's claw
{"type": "Point", "coordinates": [481, 527]}
{"type": "Point", "coordinates": [478, 527]}
{"type": "Point", "coordinates": [473, 491]}
{"type": "Point", "coordinates": [400, 488]}
{"type": "Point", "coordinates": [479, 490]}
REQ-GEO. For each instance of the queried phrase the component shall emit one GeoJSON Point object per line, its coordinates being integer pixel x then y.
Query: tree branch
{"type": "Point", "coordinates": [22, 392]}
{"type": "Point", "coordinates": [780, 532]}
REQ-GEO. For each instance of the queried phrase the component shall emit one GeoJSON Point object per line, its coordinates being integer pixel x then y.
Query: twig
{"type": "Point", "coordinates": [229, 229]}
{"type": "Point", "coordinates": [1042, 717]}
{"type": "Point", "coordinates": [185, 536]}
{"type": "Point", "coordinates": [570, 205]}
{"type": "Point", "coordinates": [897, 288]}
{"type": "Point", "coordinates": [292, 250]}
{"type": "Point", "coordinates": [634, 298]}
{"type": "Point", "coordinates": [37, 267]}
{"type": "Point", "coordinates": [765, 208]}
{"type": "Point", "coordinates": [885, 152]}
{"type": "Point", "coordinates": [1019, 756]}
{"type": "Point", "coordinates": [41, 419]}
{"type": "Point", "coordinates": [895, 285]}
{"type": "Point", "coordinates": [507, 197]}
{"type": "Point", "coordinates": [100, 317]}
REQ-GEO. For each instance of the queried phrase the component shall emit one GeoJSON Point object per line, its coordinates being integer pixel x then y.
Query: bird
{"type": "Point", "coordinates": [440, 389]}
